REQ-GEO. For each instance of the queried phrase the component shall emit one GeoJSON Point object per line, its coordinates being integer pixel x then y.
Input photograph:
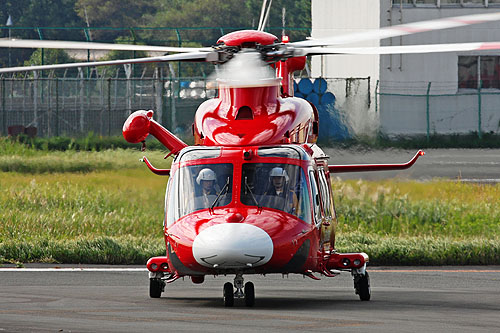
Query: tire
{"type": "Point", "coordinates": [155, 288]}
{"type": "Point", "coordinates": [228, 294]}
{"type": "Point", "coordinates": [249, 294]}
{"type": "Point", "coordinates": [362, 287]}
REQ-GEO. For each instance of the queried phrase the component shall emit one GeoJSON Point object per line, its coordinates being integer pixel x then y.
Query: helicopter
{"type": "Point", "coordinates": [253, 194]}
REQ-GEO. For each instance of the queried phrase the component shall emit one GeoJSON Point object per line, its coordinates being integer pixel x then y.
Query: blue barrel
{"type": "Point", "coordinates": [328, 98]}
{"type": "Point", "coordinates": [331, 126]}
{"type": "Point", "coordinates": [313, 98]}
{"type": "Point", "coordinates": [305, 86]}
{"type": "Point", "coordinates": [319, 85]}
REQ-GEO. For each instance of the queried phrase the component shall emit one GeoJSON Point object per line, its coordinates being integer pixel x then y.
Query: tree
{"type": "Point", "coordinates": [37, 13]}
{"type": "Point", "coordinates": [113, 13]}
{"type": "Point", "coordinates": [298, 15]}
{"type": "Point", "coordinates": [235, 14]}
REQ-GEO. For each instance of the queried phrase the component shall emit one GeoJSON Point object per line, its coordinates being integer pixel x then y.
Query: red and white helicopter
{"type": "Point", "coordinates": [253, 195]}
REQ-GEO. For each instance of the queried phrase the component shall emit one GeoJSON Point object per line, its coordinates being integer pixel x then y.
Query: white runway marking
{"type": "Point", "coordinates": [139, 269]}
{"type": "Point", "coordinates": [73, 269]}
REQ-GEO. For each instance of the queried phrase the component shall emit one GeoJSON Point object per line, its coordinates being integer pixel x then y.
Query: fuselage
{"type": "Point", "coordinates": [244, 225]}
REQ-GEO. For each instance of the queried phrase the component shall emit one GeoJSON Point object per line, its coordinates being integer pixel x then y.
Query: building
{"type": "Point", "coordinates": [455, 92]}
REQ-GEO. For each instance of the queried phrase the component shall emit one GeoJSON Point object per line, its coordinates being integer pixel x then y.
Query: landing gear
{"type": "Point", "coordinates": [156, 287]}
{"type": "Point", "coordinates": [248, 292]}
{"type": "Point", "coordinates": [362, 286]}
{"type": "Point", "coordinates": [228, 294]}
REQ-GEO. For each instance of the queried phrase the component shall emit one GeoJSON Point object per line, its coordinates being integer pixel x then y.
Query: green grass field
{"type": "Point", "coordinates": [106, 207]}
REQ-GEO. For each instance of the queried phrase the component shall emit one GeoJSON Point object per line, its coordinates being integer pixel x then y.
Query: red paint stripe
{"type": "Point", "coordinates": [467, 22]}
{"type": "Point", "coordinates": [411, 30]}
{"type": "Point", "coordinates": [490, 46]}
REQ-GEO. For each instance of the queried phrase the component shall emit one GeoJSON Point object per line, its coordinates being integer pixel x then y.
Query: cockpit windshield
{"type": "Point", "coordinates": [199, 187]}
{"type": "Point", "coordinates": [276, 185]}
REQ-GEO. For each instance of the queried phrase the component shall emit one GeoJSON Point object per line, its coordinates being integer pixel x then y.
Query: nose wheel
{"type": "Point", "coordinates": [247, 292]}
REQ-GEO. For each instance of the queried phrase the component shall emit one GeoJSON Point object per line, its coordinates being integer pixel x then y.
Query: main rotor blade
{"type": "Point", "coordinates": [404, 49]}
{"type": "Point", "coordinates": [190, 56]}
{"type": "Point", "coordinates": [401, 30]}
{"type": "Point", "coordinates": [56, 44]}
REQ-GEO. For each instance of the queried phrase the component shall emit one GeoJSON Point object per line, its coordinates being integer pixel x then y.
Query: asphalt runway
{"type": "Point", "coordinates": [404, 299]}
{"type": "Point", "coordinates": [467, 165]}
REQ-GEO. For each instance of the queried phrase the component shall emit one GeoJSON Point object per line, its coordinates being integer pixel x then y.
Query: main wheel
{"type": "Point", "coordinates": [155, 288]}
{"type": "Point", "coordinates": [228, 294]}
{"type": "Point", "coordinates": [249, 294]}
{"type": "Point", "coordinates": [362, 286]}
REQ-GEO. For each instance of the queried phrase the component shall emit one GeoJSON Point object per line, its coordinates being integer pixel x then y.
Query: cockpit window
{"type": "Point", "coordinates": [198, 187]}
{"type": "Point", "coordinates": [196, 153]}
{"type": "Point", "coordinates": [282, 151]}
{"type": "Point", "coordinates": [278, 186]}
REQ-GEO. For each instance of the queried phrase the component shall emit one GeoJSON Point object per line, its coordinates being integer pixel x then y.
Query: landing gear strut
{"type": "Point", "coordinates": [247, 291]}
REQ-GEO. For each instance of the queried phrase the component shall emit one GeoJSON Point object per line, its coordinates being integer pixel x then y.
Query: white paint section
{"type": "Point", "coordinates": [232, 245]}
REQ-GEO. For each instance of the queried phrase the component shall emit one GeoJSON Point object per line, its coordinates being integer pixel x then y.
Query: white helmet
{"type": "Point", "coordinates": [279, 172]}
{"type": "Point", "coordinates": [205, 174]}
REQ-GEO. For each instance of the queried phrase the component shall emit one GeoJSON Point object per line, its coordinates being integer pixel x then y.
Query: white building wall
{"type": "Point", "coordinates": [339, 17]}
{"type": "Point", "coordinates": [409, 74]}
{"type": "Point", "coordinates": [440, 68]}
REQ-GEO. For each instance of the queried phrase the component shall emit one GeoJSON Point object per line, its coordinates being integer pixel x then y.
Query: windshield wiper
{"type": "Point", "coordinates": [222, 192]}
{"type": "Point", "coordinates": [251, 193]}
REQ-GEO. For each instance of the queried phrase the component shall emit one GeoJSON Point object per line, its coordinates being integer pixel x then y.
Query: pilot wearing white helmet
{"type": "Point", "coordinates": [279, 196]}
{"type": "Point", "coordinates": [206, 179]}
{"type": "Point", "coordinates": [278, 178]}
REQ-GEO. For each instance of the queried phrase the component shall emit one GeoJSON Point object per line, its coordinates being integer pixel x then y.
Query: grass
{"type": "Point", "coordinates": [405, 209]}
{"type": "Point", "coordinates": [109, 209]}
{"type": "Point", "coordinates": [19, 157]}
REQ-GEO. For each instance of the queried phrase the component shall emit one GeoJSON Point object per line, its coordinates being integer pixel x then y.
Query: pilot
{"type": "Point", "coordinates": [279, 196]}
{"type": "Point", "coordinates": [206, 179]}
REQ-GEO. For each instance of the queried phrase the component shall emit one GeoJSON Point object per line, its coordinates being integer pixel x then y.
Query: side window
{"type": "Point", "coordinates": [170, 201]}
{"type": "Point", "coordinates": [325, 193]}
{"type": "Point", "coordinates": [315, 198]}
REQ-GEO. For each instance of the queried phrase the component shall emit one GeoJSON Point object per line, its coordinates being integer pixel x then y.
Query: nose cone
{"type": "Point", "coordinates": [232, 246]}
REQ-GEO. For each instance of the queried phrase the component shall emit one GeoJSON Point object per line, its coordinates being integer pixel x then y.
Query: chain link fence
{"type": "Point", "coordinates": [77, 106]}
{"type": "Point", "coordinates": [411, 108]}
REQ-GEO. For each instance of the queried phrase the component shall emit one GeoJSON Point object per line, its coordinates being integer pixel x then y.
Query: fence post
{"type": "Point", "coordinates": [82, 92]}
{"type": "Point", "coordinates": [479, 134]}
{"type": "Point", "coordinates": [109, 106]}
{"type": "Point", "coordinates": [35, 99]}
{"type": "Point", "coordinates": [57, 106]}
{"type": "Point", "coordinates": [428, 111]}
{"type": "Point", "coordinates": [4, 111]}
{"type": "Point", "coordinates": [158, 90]}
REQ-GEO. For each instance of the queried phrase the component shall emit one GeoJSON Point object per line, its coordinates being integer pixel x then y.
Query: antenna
{"type": "Point", "coordinates": [267, 15]}
{"type": "Point", "coordinates": [262, 11]}
{"type": "Point", "coordinates": [264, 15]}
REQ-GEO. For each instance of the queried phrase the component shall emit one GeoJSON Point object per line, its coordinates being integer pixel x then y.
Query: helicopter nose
{"type": "Point", "coordinates": [232, 246]}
